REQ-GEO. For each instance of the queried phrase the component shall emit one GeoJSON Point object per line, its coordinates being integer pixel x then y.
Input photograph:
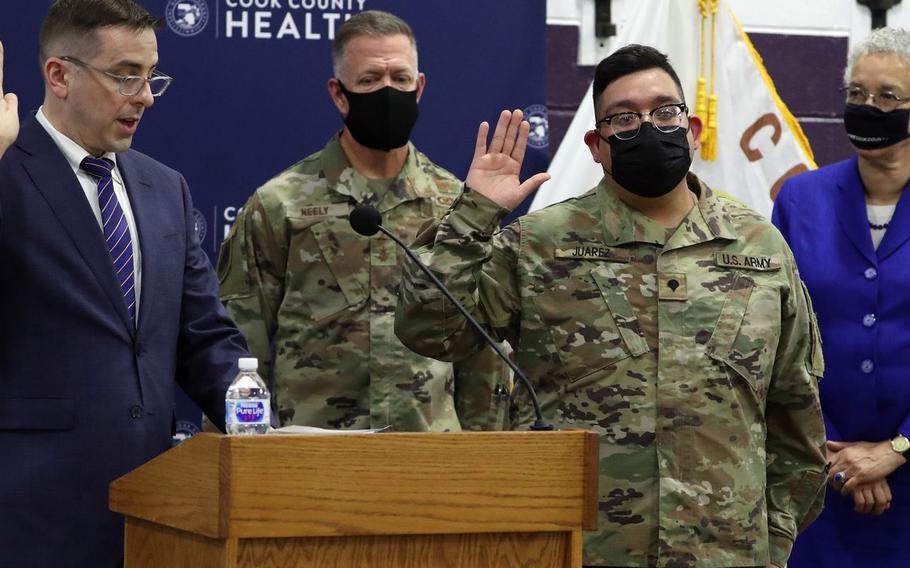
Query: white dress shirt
{"type": "Point", "coordinates": [74, 154]}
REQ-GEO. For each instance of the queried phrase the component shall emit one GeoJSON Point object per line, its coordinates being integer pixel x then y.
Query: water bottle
{"type": "Point", "coordinates": [247, 402]}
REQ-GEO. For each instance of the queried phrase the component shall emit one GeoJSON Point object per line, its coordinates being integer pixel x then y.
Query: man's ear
{"type": "Point", "coordinates": [695, 128]}
{"type": "Point", "coordinates": [592, 141]}
{"type": "Point", "coordinates": [338, 98]}
{"type": "Point", "coordinates": [57, 77]}
{"type": "Point", "coordinates": [421, 83]}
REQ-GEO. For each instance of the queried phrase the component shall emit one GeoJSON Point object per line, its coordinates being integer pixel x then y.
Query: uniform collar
{"type": "Point", "coordinates": [705, 222]}
{"type": "Point", "coordinates": [345, 180]}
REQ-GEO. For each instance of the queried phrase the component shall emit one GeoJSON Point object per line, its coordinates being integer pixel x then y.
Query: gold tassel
{"type": "Point", "coordinates": [709, 135]}
{"type": "Point", "coordinates": [701, 95]}
{"type": "Point", "coordinates": [701, 99]}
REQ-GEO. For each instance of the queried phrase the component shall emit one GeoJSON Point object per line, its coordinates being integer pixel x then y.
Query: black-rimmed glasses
{"type": "Point", "coordinates": [625, 125]}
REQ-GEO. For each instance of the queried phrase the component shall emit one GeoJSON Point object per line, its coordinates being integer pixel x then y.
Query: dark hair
{"type": "Point", "coordinates": [77, 20]}
{"type": "Point", "coordinates": [631, 59]}
{"type": "Point", "coordinates": [374, 23]}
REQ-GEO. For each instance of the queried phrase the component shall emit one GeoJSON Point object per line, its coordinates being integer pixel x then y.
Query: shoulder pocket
{"type": "Point", "coordinates": [816, 360]}
{"type": "Point", "coordinates": [233, 276]}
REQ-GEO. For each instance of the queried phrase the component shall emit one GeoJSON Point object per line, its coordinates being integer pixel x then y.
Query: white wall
{"type": "Point", "coordinates": [802, 17]}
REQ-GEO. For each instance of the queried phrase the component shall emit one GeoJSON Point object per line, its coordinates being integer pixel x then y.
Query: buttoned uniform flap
{"type": "Point", "coordinates": [590, 320]}
{"type": "Point", "coordinates": [327, 267]}
{"type": "Point", "coordinates": [747, 330]}
{"type": "Point", "coordinates": [37, 413]}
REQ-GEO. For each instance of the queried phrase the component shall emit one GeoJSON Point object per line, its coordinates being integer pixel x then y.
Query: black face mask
{"type": "Point", "coordinates": [870, 128]}
{"type": "Point", "coordinates": [383, 119]}
{"type": "Point", "coordinates": [652, 163]}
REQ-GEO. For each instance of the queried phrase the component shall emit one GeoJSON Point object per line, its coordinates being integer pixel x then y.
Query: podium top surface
{"type": "Point", "coordinates": [368, 484]}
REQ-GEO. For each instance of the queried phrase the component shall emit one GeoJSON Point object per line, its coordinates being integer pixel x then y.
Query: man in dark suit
{"type": "Point", "coordinates": [106, 299]}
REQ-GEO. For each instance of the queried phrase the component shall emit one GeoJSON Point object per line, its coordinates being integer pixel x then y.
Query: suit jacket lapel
{"type": "Point", "coordinates": [898, 228]}
{"type": "Point", "coordinates": [851, 210]}
{"type": "Point", "coordinates": [138, 188]}
{"type": "Point", "coordinates": [55, 180]}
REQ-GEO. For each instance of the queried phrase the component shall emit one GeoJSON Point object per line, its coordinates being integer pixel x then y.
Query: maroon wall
{"type": "Point", "coordinates": [807, 71]}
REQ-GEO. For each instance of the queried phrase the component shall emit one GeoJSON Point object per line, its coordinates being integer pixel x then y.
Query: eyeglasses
{"type": "Point", "coordinates": [625, 125]}
{"type": "Point", "coordinates": [130, 85]}
{"type": "Point", "coordinates": [886, 100]}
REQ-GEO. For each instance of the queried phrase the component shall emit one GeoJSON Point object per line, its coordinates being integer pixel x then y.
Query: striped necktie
{"type": "Point", "coordinates": [115, 228]}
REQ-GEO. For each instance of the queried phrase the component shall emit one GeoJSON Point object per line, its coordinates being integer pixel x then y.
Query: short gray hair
{"type": "Point", "coordinates": [374, 23]}
{"type": "Point", "coordinates": [882, 40]}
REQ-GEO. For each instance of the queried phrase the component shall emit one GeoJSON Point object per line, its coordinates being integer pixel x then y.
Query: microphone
{"type": "Point", "coordinates": [367, 221]}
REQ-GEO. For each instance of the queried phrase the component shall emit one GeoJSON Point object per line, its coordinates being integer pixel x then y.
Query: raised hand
{"type": "Point", "coordinates": [9, 113]}
{"type": "Point", "coordinates": [494, 169]}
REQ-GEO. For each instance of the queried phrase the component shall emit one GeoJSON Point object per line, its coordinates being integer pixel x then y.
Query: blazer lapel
{"type": "Point", "coordinates": [54, 179]}
{"type": "Point", "coordinates": [138, 188]}
{"type": "Point", "coordinates": [851, 210]}
{"type": "Point", "coordinates": [898, 228]}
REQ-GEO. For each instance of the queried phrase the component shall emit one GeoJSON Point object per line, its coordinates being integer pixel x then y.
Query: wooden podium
{"type": "Point", "coordinates": [427, 500]}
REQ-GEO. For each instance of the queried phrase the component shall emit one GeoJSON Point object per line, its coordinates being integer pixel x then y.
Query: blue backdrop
{"type": "Point", "coordinates": [249, 96]}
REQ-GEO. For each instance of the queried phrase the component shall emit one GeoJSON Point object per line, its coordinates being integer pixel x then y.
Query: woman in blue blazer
{"type": "Point", "coordinates": [849, 227]}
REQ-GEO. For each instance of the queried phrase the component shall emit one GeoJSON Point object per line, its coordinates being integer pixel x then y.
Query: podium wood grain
{"type": "Point", "coordinates": [150, 546]}
{"type": "Point", "coordinates": [429, 499]}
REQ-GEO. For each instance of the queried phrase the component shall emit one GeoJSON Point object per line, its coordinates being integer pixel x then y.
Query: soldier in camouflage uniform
{"type": "Point", "coordinates": [664, 316]}
{"type": "Point", "coordinates": [304, 287]}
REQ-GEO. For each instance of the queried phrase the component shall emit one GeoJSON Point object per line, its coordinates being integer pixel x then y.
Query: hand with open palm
{"type": "Point", "coordinates": [494, 170]}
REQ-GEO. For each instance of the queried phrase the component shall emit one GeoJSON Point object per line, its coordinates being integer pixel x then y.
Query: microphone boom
{"type": "Point", "coordinates": [367, 221]}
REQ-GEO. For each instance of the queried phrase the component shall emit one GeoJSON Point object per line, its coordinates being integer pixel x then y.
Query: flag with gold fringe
{"type": "Point", "coordinates": [751, 142]}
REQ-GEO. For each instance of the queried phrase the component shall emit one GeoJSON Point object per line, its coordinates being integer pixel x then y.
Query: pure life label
{"type": "Point", "coordinates": [246, 411]}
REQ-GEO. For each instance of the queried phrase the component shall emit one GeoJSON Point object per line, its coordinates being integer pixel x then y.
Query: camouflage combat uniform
{"type": "Point", "coordinates": [691, 351]}
{"type": "Point", "coordinates": [294, 272]}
